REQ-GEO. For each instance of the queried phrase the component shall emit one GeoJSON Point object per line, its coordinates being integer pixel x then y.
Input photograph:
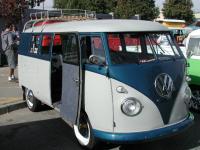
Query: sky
{"type": "Point", "coordinates": [48, 4]}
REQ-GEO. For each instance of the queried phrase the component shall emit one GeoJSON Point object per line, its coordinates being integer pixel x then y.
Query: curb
{"type": "Point", "coordinates": [12, 107]}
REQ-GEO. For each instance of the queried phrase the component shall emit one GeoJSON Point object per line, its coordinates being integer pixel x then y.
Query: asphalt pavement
{"type": "Point", "coordinates": [25, 130]}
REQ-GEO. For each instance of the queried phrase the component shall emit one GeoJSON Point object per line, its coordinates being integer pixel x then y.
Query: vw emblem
{"type": "Point", "coordinates": [164, 85]}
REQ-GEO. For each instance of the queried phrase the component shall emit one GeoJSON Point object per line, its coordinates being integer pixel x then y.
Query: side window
{"type": "Point", "coordinates": [114, 43]}
{"type": "Point", "coordinates": [194, 47]}
{"type": "Point", "coordinates": [97, 46]}
{"type": "Point", "coordinates": [57, 44]}
{"type": "Point", "coordinates": [70, 49]}
{"type": "Point", "coordinates": [92, 45]}
{"type": "Point", "coordinates": [46, 44]}
{"type": "Point", "coordinates": [132, 43]}
{"type": "Point", "coordinates": [85, 48]}
{"type": "Point", "coordinates": [35, 42]}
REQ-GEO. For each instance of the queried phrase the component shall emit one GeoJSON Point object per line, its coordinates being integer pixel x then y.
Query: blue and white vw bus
{"type": "Point", "coordinates": [111, 80]}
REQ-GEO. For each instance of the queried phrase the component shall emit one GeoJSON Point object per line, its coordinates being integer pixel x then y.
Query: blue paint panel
{"type": "Point", "coordinates": [142, 78]}
{"type": "Point", "coordinates": [42, 57]}
{"type": "Point", "coordinates": [25, 46]}
{"type": "Point", "coordinates": [146, 135]}
{"type": "Point", "coordinates": [96, 69]}
{"type": "Point", "coordinates": [25, 40]}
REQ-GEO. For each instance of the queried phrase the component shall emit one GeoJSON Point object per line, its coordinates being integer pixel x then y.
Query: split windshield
{"type": "Point", "coordinates": [141, 47]}
{"type": "Point", "coordinates": [194, 47]}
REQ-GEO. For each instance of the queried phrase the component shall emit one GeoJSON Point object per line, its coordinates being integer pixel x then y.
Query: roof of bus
{"type": "Point", "coordinates": [113, 25]}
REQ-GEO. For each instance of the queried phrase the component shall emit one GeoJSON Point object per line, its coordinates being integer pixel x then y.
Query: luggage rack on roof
{"type": "Point", "coordinates": [60, 15]}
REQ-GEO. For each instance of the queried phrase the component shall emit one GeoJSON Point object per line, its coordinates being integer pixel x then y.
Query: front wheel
{"type": "Point", "coordinates": [32, 103]}
{"type": "Point", "coordinates": [83, 132]}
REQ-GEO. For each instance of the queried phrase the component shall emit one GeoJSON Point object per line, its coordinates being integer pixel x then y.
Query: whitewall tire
{"type": "Point", "coordinates": [83, 132]}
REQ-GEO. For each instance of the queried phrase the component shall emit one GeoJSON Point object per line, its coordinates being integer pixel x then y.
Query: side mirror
{"type": "Point", "coordinates": [97, 60]}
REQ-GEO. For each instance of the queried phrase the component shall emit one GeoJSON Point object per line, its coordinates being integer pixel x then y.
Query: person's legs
{"type": "Point", "coordinates": [11, 64]}
{"type": "Point", "coordinates": [12, 72]}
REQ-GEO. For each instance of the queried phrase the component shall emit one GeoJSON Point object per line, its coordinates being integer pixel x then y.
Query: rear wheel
{"type": "Point", "coordinates": [83, 132]}
{"type": "Point", "coordinates": [32, 103]}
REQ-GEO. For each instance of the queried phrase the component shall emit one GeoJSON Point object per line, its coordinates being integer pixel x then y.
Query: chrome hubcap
{"type": "Point", "coordinates": [29, 98]}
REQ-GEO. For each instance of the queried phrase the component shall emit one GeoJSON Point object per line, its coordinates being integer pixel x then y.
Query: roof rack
{"type": "Point", "coordinates": [58, 15]}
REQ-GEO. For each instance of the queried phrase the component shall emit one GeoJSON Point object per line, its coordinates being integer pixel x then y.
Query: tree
{"type": "Point", "coordinates": [100, 6]}
{"type": "Point", "coordinates": [122, 8]}
{"type": "Point", "coordinates": [12, 10]}
{"type": "Point", "coordinates": [178, 9]}
{"type": "Point", "coordinates": [128, 8]}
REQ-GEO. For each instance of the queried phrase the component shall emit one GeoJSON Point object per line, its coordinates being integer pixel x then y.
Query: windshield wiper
{"type": "Point", "coordinates": [158, 46]}
{"type": "Point", "coordinates": [160, 51]}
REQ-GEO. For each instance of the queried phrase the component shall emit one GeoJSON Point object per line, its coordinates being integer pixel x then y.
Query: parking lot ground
{"type": "Point", "coordinates": [25, 130]}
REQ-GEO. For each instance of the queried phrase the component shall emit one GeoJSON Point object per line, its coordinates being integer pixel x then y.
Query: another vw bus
{"type": "Point", "coordinates": [193, 55]}
{"type": "Point", "coordinates": [110, 79]}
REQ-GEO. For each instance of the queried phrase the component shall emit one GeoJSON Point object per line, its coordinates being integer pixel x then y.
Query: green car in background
{"type": "Point", "coordinates": [193, 57]}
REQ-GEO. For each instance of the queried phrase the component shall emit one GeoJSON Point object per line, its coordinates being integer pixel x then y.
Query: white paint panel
{"type": "Point", "coordinates": [26, 72]}
{"type": "Point", "coordinates": [149, 118]}
{"type": "Point", "coordinates": [180, 109]}
{"type": "Point", "coordinates": [113, 25]}
{"type": "Point", "coordinates": [35, 74]}
{"type": "Point", "coordinates": [98, 101]}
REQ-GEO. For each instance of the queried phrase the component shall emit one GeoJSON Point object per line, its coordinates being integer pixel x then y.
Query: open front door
{"type": "Point", "coordinates": [71, 75]}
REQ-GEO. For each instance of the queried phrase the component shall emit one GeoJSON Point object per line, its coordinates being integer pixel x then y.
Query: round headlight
{"type": "Point", "coordinates": [131, 107]}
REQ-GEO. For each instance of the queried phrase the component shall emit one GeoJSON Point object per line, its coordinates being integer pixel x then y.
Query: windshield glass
{"type": "Point", "coordinates": [194, 47]}
{"type": "Point", "coordinates": [179, 35]}
{"type": "Point", "coordinates": [141, 47]}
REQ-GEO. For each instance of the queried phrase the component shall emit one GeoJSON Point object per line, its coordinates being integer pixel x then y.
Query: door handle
{"type": "Point", "coordinates": [76, 81]}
